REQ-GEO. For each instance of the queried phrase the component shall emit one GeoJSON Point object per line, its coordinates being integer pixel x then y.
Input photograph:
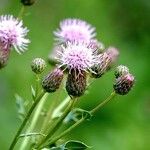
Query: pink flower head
{"type": "Point", "coordinates": [12, 33]}
{"type": "Point", "coordinates": [74, 30]}
{"type": "Point", "coordinates": [77, 55]}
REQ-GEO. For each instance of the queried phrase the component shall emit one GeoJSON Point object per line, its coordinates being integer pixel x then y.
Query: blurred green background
{"type": "Point", "coordinates": [124, 124]}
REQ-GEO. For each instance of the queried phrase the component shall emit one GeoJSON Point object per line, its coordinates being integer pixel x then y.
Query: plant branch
{"type": "Point", "coordinates": [34, 120]}
{"type": "Point", "coordinates": [58, 123]}
{"type": "Point", "coordinates": [26, 120]}
{"type": "Point", "coordinates": [94, 110]}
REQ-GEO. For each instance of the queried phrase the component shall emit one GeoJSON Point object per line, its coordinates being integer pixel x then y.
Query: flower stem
{"type": "Point", "coordinates": [49, 119]}
{"type": "Point", "coordinates": [34, 121]}
{"type": "Point", "coordinates": [98, 107]}
{"type": "Point", "coordinates": [112, 95]}
{"type": "Point", "coordinates": [58, 123]}
{"type": "Point", "coordinates": [57, 112]}
{"type": "Point", "coordinates": [25, 120]}
{"type": "Point", "coordinates": [20, 15]}
{"type": "Point", "coordinates": [37, 85]}
{"type": "Point", "coordinates": [65, 132]}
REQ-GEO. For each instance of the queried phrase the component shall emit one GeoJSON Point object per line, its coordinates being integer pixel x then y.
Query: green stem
{"type": "Point", "coordinates": [58, 123]}
{"type": "Point", "coordinates": [34, 121]}
{"type": "Point", "coordinates": [57, 112]}
{"type": "Point", "coordinates": [65, 132]}
{"type": "Point", "coordinates": [21, 12]}
{"type": "Point", "coordinates": [98, 107]}
{"type": "Point", "coordinates": [37, 85]}
{"type": "Point", "coordinates": [25, 120]}
{"type": "Point", "coordinates": [48, 119]}
{"type": "Point", "coordinates": [112, 95]}
{"type": "Point", "coordinates": [31, 134]}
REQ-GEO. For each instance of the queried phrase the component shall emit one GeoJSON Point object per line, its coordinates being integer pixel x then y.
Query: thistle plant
{"type": "Point", "coordinates": [78, 58]}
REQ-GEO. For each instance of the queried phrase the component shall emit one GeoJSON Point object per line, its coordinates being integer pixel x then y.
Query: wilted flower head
{"type": "Point", "coordinates": [77, 56]}
{"type": "Point", "coordinates": [12, 33]}
{"type": "Point", "coordinates": [74, 30]}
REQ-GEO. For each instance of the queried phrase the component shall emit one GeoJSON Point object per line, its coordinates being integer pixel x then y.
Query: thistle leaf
{"type": "Point", "coordinates": [75, 145]}
{"type": "Point", "coordinates": [71, 145]}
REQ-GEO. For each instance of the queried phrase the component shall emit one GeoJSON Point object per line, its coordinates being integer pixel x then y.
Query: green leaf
{"type": "Point", "coordinates": [71, 145]}
{"type": "Point", "coordinates": [33, 92]}
{"type": "Point", "coordinates": [20, 106]}
{"type": "Point", "coordinates": [57, 148]}
{"type": "Point", "coordinates": [75, 145]}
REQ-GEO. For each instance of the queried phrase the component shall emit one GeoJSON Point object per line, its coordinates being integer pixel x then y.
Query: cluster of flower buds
{"type": "Point", "coordinates": [124, 80]}
{"type": "Point", "coordinates": [79, 52]}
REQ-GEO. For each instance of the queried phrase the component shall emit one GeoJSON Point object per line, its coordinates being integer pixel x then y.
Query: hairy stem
{"type": "Point", "coordinates": [20, 15]}
{"type": "Point", "coordinates": [37, 85]}
{"type": "Point", "coordinates": [57, 112]}
{"type": "Point", "coordinates": [26, 120]}
{"type": "Point", "coordinates": [48, 119]}
{"type": "Point", "coordinates": [58, 122]}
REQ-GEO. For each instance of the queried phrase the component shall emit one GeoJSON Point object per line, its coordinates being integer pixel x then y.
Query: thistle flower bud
{"type": "Point", "coordinates": [27, 2]}
{"type": "Point", "coordinates": [123, 84]}
{"type": "Point", "coordinates": [76, 83]}
{"type": "Point", "coordinates": [121, 70]}
{"type": "Point", "coordinates": [52, 81]}
{"type": "Point", "coordinates": [4, 55]}
{"type": "Point", "coordinates": [100, 68]}
{"type": "Point", "coordinates": [38, 65]}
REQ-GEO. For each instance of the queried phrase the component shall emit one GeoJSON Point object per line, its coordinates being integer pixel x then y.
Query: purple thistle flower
{"type": "Point", "coordinates": [78, 56]}
{"type": "Point", "coordinates": [12, 33]}
{"type": "Point", "coordinates": [74, 30]}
